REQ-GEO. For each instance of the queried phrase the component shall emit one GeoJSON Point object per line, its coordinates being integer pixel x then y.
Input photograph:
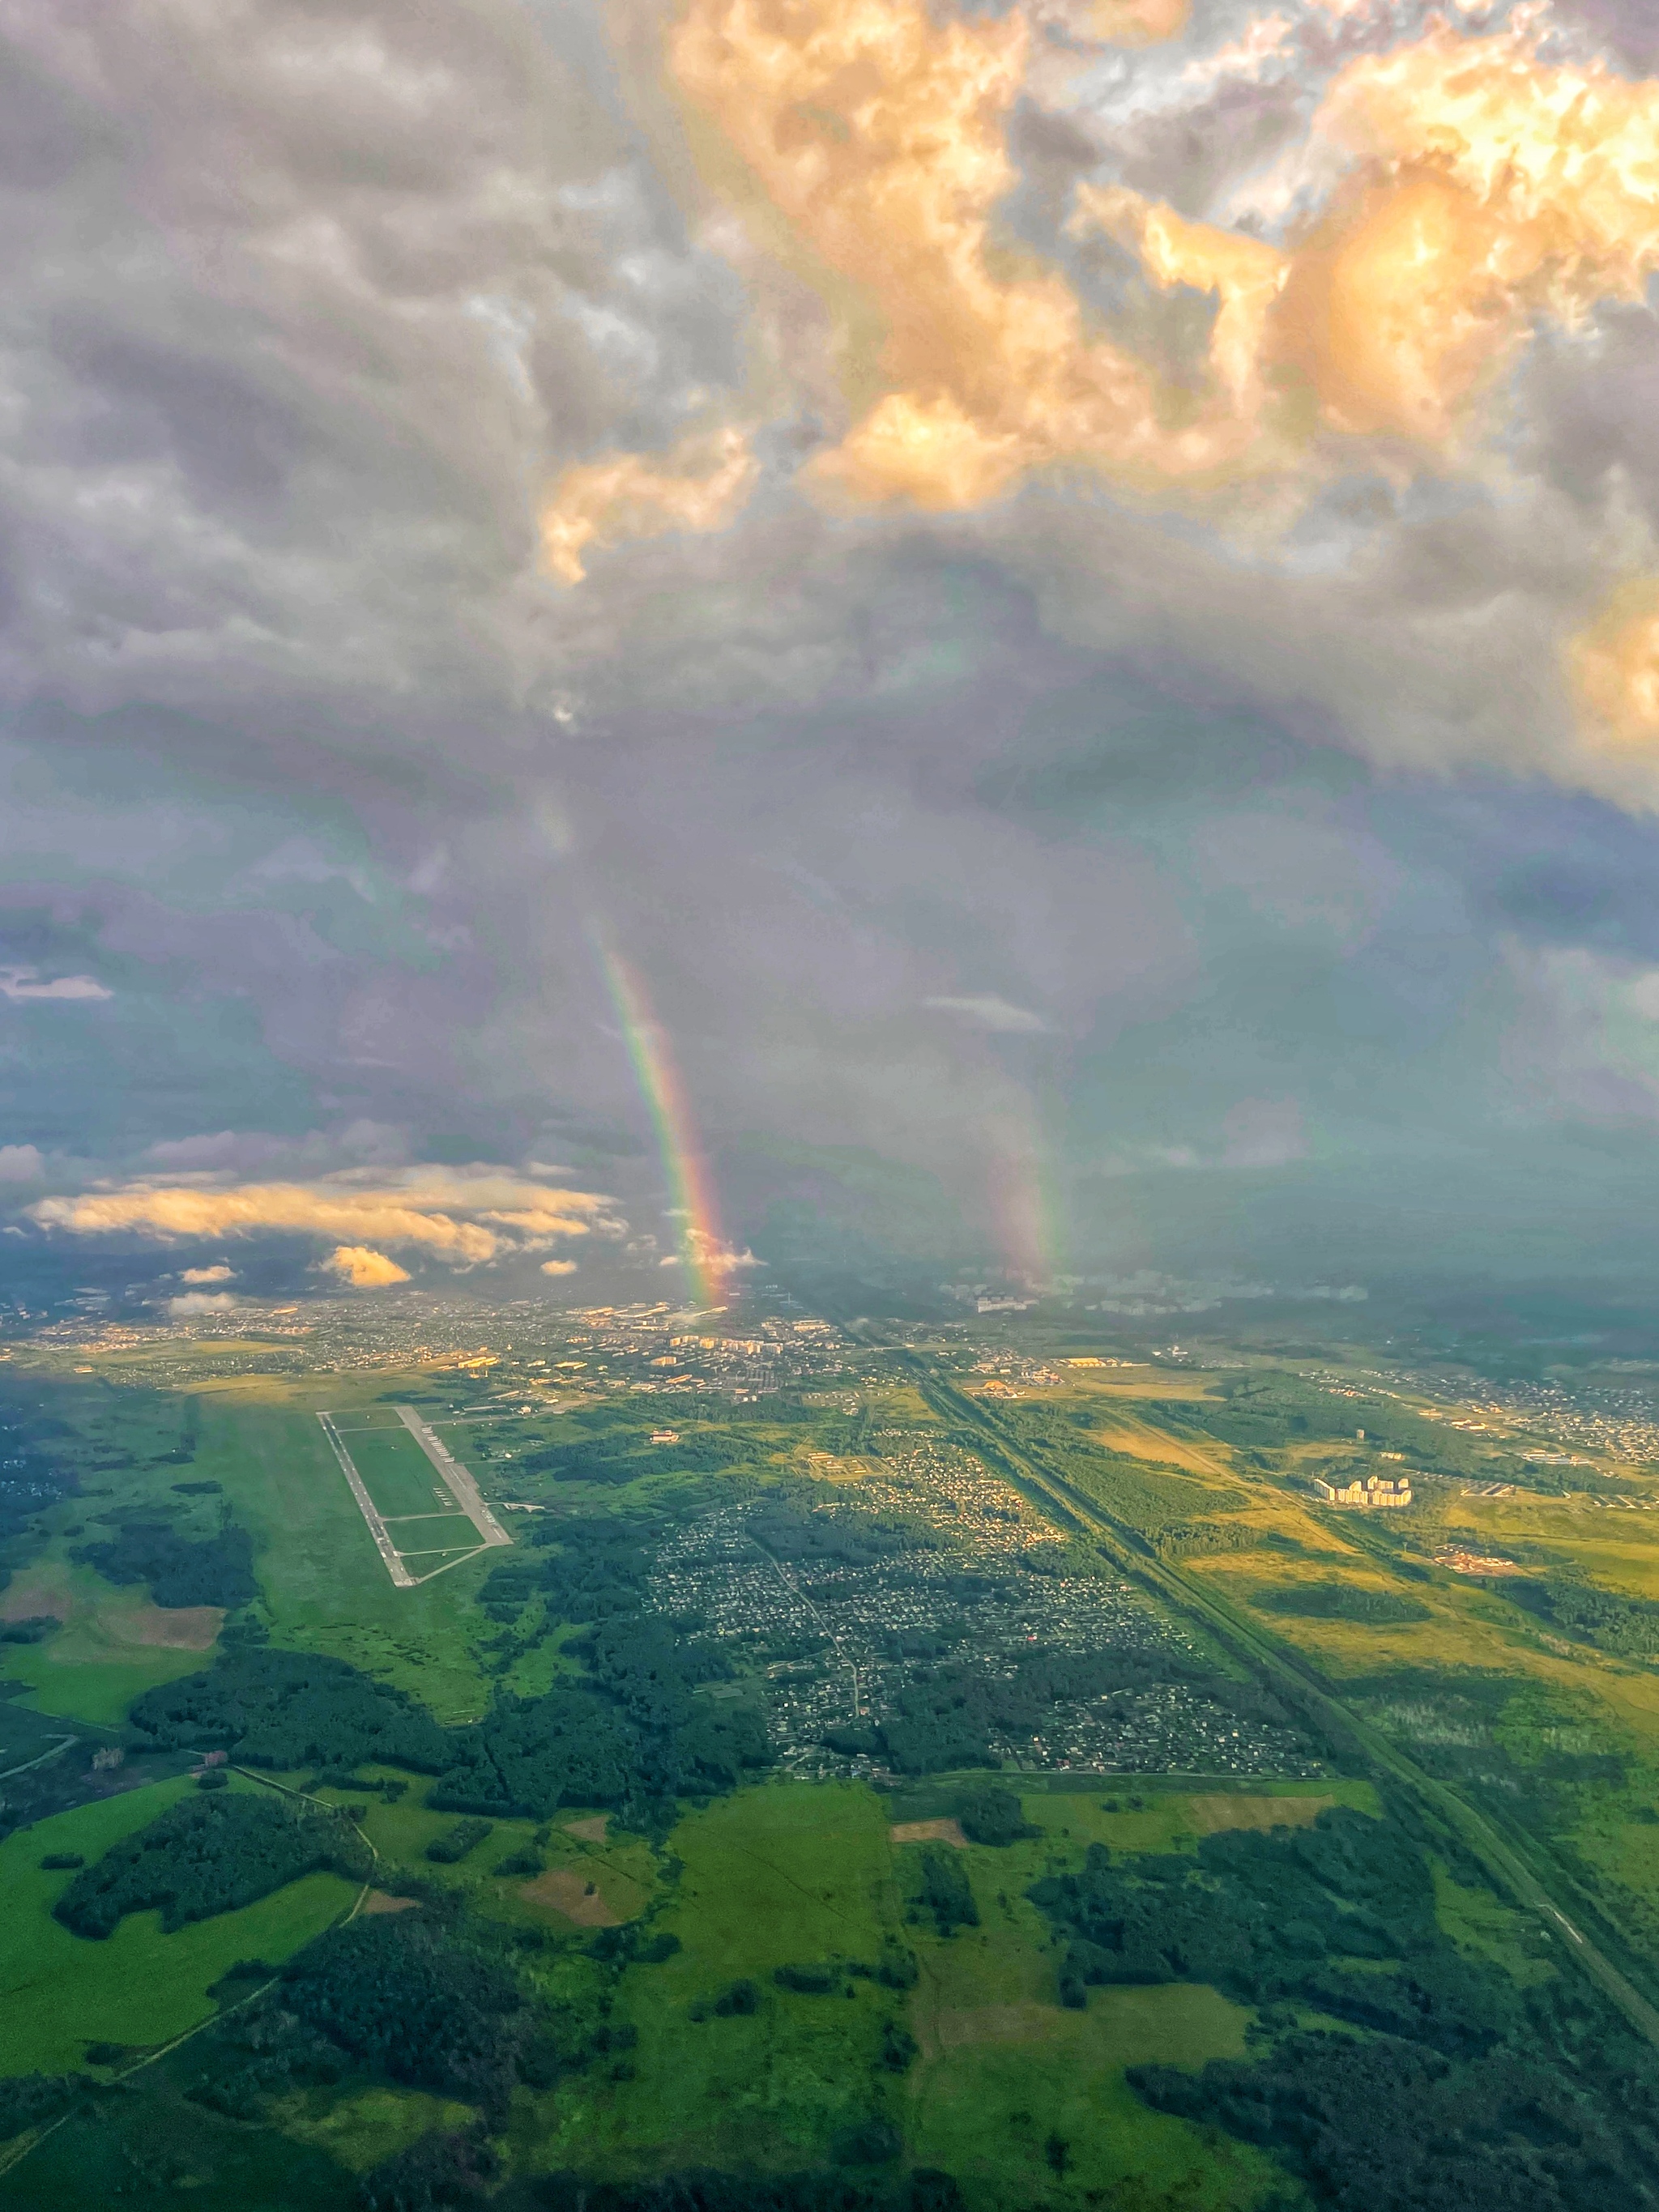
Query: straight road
{"type": "Point", "coordinates": [1510, 1867]}
{"type": "Point", "coordinates": [456, 1480]}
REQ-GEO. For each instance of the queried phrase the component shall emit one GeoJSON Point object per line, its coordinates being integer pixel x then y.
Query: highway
{"type": "Point", "coordinates": [1513, 1868]}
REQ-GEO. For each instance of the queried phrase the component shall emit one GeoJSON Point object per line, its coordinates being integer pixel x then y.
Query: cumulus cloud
{"type": "Point", "coordinates": [987, 1012]}
{"type": "Point", "coordinates": [558, 1267]}
{"type": "Point", "coordinates": [201, 1301]}
{"type": "Point", "coordinates": [20, 1163]}
{"type": "Point", "coordinates": [221, 1273]}
{"type": "Point", "coordinates": [463, 1218]}
{"type": "Point", "coordinates": [1468, 188]}
{"type": "Point", "coordinates": [362, 1268]}
{"type": "Point", "coordinates": [701, 488]}
{"type": "Point", "coordinates": [20, 983]}
{"type": "Point", "coordinates": [1585, 1043]}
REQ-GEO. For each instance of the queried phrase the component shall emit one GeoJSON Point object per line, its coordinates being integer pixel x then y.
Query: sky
{"type": "Point", "coordinates": [1028, 633]}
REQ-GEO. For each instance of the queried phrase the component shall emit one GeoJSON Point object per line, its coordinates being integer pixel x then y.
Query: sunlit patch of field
{"type": "Point", "coordinates": [1140, 1439]}
{"type": "Point", "coordinates": [579, 1851]}
{"type": "Point", "coordinates": [1466, 1627]}
{"type": "Point", "coordinates": [136, 1986]}
{"type": "Point", "coordinates": [1130, 1815]}
{"type": "Point", "coordinates": [1004, 2067]}
{"type": "Point", "coordinates": [789, 1872]}
{"type": "Point", "coordinates": [1485, 1928]}
{"type": "Point", "coordinates": [114, 1642]}
{"type": "Point", "coordinates": [1137, 1382]}
{"type": "Point", "coordinates": [587, 1899]}
{"type": "Point", "coordinates": [361, 2126]}
{"type": "Point", "coordinates": [1210, 1815]}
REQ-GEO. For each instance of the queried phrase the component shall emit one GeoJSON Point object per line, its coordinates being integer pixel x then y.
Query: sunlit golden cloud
{"type": "Point", "coordinates": [880, 133]}
{"type": "Point", "coordinates": [1483, 187]}
{"type": "Point", "coordinates": [698, 487]}
{"type": "Point", "coordinates": [1494, 188]}
{"type": "Point", "coordinates": [1614, 665]}
{"type": "Point", "coordinates": [463, 1218]}
{"type": "Point", "coordinates": [363, 1269]}
{"type": "Point", "coordinates": [1137, 22]}
{"type": "Point", "coordinates": [1465, 189]}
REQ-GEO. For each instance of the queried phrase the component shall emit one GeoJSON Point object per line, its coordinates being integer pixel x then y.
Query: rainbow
{"type": "Point", "coordinates": [703, 1249]}
{"type": "Point", "coordinates": [1024, 1212]}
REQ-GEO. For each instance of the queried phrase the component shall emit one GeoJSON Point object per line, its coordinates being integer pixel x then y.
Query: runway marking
{"type": "Point", "coordinates": [458, 1484]}
{"type": "Point", "coordinates": [455, 1478]}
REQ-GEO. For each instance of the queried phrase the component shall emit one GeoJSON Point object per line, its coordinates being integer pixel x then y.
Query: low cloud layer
{"type": "Point", "coordinates": [461, 1220]}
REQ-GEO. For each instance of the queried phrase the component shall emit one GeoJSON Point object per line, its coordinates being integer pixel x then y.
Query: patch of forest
{"type": "Point", "coordinates": [630, 1734]}
{"type": "Point", "coordinates": [207, 1856]}
{"type": "Point", "coordinates": [426, 1998]}
{"type": "Point", "coordinates": [215, 1570]}
{"type": "Point", "coordinates": [1628, 1626]}
{"type": "Point", "coordinates": [618, 1457]}
{"type": "Point", "coordinates": [1262, 1413]}
{"type": "Point", "coordinates": [627, 1732]}
{"type": "Point", "coordinates": [945, 1716]}
{"type": "Point", "coordinates": [1450, 2090]}
{"type": "Point", "coordinates": [286, 1710]}
{"type": "Point", "coordinates": [705, 2190]}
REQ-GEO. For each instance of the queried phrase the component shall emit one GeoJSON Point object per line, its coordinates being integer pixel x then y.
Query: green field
{"type": "Point", "coordinates": [396, 1473]}
{"type": "Point", "coordinates": [782, 1874]}
{"type": "Point", "coordinates": [60, 1991]}
{"type": "Point", "coordinates": [326, 1588]}
{"type": "Point", "coordinates": [793, 1873]}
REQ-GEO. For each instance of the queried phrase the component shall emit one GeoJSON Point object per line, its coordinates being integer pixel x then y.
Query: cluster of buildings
{"type": "Point", "coordinates": [1374, 1491]}
{"type": "Point", "coordinates": [845, 1634]}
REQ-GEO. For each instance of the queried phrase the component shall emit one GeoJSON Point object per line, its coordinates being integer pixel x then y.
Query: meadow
{"type": "Point", "coordinates": [137, 1987]}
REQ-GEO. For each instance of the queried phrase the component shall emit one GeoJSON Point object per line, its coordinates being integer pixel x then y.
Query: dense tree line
{"type": "Point", "coordinates": [1386, 2126]}
{"type": "Point", "coordinates": [1628, 1626]}
{"type": "Point", "coordinates": [424, 1998]}
{"type": "Point", "coordinates": [702, 2189]}
{"type": "Point", "coordinates": [629, 1733]}
{"type": "Point", "coordinates": [288, 1708]}
{"type": "Point", "coordinates": [995, 1816]}
{"type": "Point", "coordinates": [216, 1570]}
{"type": "Point", "coordinates": [29, 2101]}
{"type": "Point", "coordinates": [943, 1892]}
{"type": "Point", "coordinates": [1459, 2093]}
{"type": "Point", "coordinates": [407, 1995]}
{"type": "Point", "coordinates": [456, 1842]}
{"type": "Point", "coordinates": [600, 1567]}
{"type": "Point", "coordinates": [34, 1629]}
{"type": "Point", "coordinates": [945, 1716]}
{"type": "Point", "coordinates": [453, 2168]}
{"type": "Point", "coordinates": [1343, 1601]}
{"type": "Point", "coordinates": [205, 1856]}
{"type": "Point", "coordinates": [1265, 1916]}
